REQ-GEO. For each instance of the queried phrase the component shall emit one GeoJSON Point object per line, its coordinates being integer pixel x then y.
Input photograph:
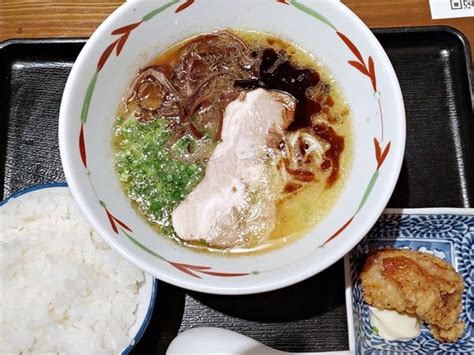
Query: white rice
{"type": "Point", "coordinates": [62, 289]}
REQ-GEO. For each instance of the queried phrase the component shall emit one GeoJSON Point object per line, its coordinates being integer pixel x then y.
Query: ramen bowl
{"type": "Point", "coordinates": [133, 35]}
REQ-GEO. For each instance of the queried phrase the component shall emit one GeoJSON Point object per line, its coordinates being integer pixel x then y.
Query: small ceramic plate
{"type": "Point", "coordinates": [445, 233]}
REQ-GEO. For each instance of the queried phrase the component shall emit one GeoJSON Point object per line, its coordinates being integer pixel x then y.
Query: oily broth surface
{"type": "Point", "coordinates": [299, 212]}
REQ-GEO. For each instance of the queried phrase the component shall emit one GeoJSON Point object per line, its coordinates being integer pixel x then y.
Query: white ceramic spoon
{"type": "Point", "coordinates": [220, 341]}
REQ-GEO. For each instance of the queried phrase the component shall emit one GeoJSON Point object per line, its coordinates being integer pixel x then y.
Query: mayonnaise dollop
{"type": "Point", "coordinates": [392, 325]}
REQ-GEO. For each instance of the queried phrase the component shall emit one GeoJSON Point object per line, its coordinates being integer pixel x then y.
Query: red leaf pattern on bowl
{"type": "Point", "coordinates": [360, 63]}
{"type": "Point", "coordinates": [82, 146]}
{"type": "Point", "coordinates": [192, 270]}
{"type": "Point", "coordinates": [372, 73]}
{"type": "Point", "coordinates": [379, 154]}
{"type": "Point", "coordinates": [359, 67]}
{"type": "Point", "coordinates": [351, 46]}
{"type": "Point", "coordinates": [106, 54]}
{"type": "Point", "coordinates": [184, 6]}
{"type": "Point", "coordinates": [114, 220]}
{"type": "Point", "coordinates": [126, 29]}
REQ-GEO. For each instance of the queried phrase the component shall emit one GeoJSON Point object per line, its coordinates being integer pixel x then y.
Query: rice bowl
{"type": "Point", "coordinates": [78, 295]}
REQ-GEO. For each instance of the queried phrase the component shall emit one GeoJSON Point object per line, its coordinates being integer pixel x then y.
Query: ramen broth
{"type": "Point", "coordinates": [171, 120]}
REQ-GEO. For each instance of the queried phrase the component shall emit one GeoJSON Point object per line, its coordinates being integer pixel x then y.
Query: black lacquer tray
{"type": "Point", "coordinates": [433, 65]}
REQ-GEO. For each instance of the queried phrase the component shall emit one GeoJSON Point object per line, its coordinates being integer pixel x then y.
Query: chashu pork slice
{"type": "Point", "coordinates": [234, 204]}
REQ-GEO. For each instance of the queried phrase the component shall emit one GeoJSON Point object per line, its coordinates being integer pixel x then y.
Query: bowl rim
{"type": "Point", "coordinates": [363, 226]}
{"type": "Point", "coordinates": [149, 278]}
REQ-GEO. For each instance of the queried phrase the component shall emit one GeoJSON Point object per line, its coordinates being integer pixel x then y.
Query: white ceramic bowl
{"type": "Point", "coordinates": [138, 31]}
{"type": "Point", "coordinates": [148, 291]}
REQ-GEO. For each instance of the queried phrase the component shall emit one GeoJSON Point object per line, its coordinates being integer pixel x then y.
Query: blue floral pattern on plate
{"type": "Point", "coordinates": [448, 236]}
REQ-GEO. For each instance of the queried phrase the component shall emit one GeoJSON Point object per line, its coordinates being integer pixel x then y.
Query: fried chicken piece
{"type": "Point", "coordinates": [451, 334]}
{"type": "Point", "coordinates": [416, 283]}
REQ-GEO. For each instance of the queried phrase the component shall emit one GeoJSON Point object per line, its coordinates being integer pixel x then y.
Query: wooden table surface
{"type": "Point", "coordinates": [79, 18]}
